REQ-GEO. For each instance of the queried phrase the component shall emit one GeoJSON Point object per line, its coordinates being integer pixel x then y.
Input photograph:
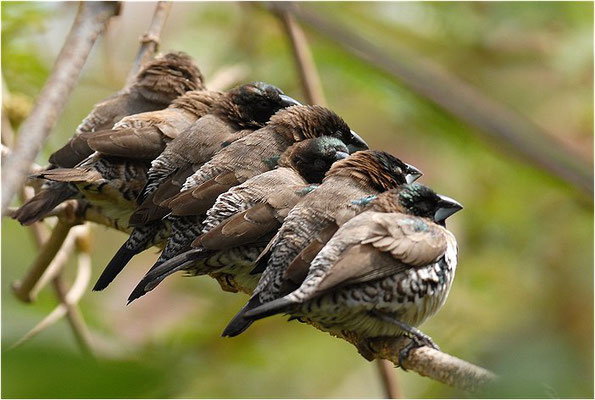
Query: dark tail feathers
{"type": "Point", "coordinates": [115, 266]}
{"type": "Point", "coordinates": [159, 272]}
{"type": "Point", "coordinates": [276, 306]}
{"type": "Point", "coordinates": [239, 323]}
{"type": "Point", "coordinates": [44, 202]}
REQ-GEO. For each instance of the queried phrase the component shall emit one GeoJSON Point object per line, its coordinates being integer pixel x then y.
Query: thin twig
{"type": "Point", "coordinates": [75, 317]}
{"type": "Point", "coordinates": [311, 83]}
{"type": "Point", "coordinates": [71, 298]}
{"type": "Point", "coordinates": [23, 289]}
{"type": "Point", "coordinates": [228, 76]}
{"type": "Point", "coordinates": [515, 133]}
{"type": "Point", "coordinates": [150, 40]}
{"type": "Point", "coordinates": [386, 370]}
{"type": "Point", "coordinates": [89, 23]}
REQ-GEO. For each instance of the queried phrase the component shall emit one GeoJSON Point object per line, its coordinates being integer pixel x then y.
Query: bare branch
{"type": "Point", "coordinates": [386, 370]}
{"type": "Point", "coordinates": [150, 40]}
{"type": "Point", "coordinates": [435, 364]}
{"type": "Point", "coordinates": [24, 288]}
{"type": "Point", "coordinates": [71, 298]}
{"type": "Point", "coordinates": [89, 23]}
{"type": "Point", "coordinates": [516, 134]}
{"type": "Point", "coordinates": [303, 56]}
{"type": "Point", "coordinates": [69, 302]}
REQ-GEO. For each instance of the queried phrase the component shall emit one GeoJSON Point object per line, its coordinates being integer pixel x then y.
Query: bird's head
{"type": "Point", "coordinates": [168, 77]}
{"type": "Point", "coordinates": [419, 200]}
{"type": "Point", "coordinates": [312, 158]}
{"type": "Point", "coordinates": [378, 169]}
{"type": "Point", "coordinates": [253, 104]}
{"type": "Point", "coordinates": [306, 122]}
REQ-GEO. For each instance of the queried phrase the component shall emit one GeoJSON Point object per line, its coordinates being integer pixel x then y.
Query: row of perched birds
{"type": "Point", "coordinates": [280, 200]}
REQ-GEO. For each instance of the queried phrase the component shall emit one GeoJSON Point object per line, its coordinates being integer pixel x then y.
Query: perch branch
{"type": "Point", "coordinates": [514, 133]}
{"type": "Point", "coordinates": [311, 83]}
{"type": "Point", "coordinates": [387, 375]}
{"type": "Point", "coordinates": [435, 364]}
{"type": "Point", "coordinates": [150, 40]}
{"type": "Point", "coordinates": [89, 23]}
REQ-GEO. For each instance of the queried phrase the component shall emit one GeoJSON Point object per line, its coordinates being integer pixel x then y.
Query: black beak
{"type": "Point", "coordinates": [340, 155]}
{"type": "Point", "coordinates": [447, 208]}
{"type": "Point", "coordinates": [287, 101]}
{"type": "Point", "coordinates": [412, 173]}
{"type": "Point", "coordinates": [356, 143]}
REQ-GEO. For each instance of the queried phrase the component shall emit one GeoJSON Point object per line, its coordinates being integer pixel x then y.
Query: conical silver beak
{"type": "Point", "coordinates": [412, 174]}
{"type": "Point", "coordinates": [447, 208]}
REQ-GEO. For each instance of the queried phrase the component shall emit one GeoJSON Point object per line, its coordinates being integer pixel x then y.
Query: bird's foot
{"type": "Point", "coordinates": [418, 338]}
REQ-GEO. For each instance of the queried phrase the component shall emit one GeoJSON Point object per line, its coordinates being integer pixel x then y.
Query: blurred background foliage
{"type": "Point", "coordinates": [522, 302]}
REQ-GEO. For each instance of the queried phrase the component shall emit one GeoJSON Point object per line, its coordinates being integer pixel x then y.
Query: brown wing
{"type": "Point", "coordinates": [244, 228]}
{"type": "Point", "coordinates": [151, 208]}
{"type": "Point", "coordinates": [391, 243]}
{"type": "Point", "coordinates": [145, 143]}
{"type": "Point", "coordinates": [73, 152]}
{"type": "Point", "coordinates": [171, 186]}
{"type": "Point", "coordinates": [298, 269]}
{"type": "Point", "coordinates": [198, 200]}
{"type": "Point", "coordinates": [74, 175]}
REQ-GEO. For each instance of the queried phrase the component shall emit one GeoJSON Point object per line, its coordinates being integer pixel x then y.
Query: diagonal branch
{"type": "Point", "coordinates": [68, 300]}
{"type": "Point", "coordinates": [23, 289]}
{"type": "Point", "coordinates": [150, 40]}
{"type": "Point", "coordinates": [311, 83]}
{"type": "Point", "coordinates": [89, 23]}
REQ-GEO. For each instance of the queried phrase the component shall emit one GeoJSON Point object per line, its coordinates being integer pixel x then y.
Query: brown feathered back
{"type": "Point", "coordinates": [168, 77]}
{"type": "Point", "coordinates": [376, 168]}
{"type": "Point", "coordinates": [313, 121]}
{"type": "Point", "coordinates": [198, 102]}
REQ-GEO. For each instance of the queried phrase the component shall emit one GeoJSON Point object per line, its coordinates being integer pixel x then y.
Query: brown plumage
{"type": "Point", "coordinates": [243, 159]}
{"type": "Point", "coordinates": [156, 85]}
{"type": "Point", "coordinates": [383, 272]}
{"type": "Point", "coordinates": [255, 154]}
{"type": "Point", "coordinates": [145, 135]}
{"type": "Point", "coordinates": [239, 112]}
{"type": "Point", "coordinates": [109, 183]}
{"type": "Point", "coordinates": [245, 218]}
{"type": "Point", "coordinates": [316, 218]}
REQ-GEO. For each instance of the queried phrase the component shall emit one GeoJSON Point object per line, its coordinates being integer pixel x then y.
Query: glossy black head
{"type": "Point", "coordinates": [256, 102]}
{"type": "Point", "coordinates": [422, 201]}
{"type": "Point", "coordinates": [312, 158]}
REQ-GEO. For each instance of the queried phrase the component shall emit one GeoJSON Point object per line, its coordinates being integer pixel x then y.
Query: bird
{"type": "Point", "coordinates": [383, 273]}
{"type": "Point", "coordinates": [155, 86]}
{"type": "Point", "coordinates": [243, 159]}
{"type": "Point", "coordinates": [245, 217]}
{"type": "Point", "coordinates": [235, 115]}
{"type": "Point", "coordinates": [314, 220]}
{"type": "Point", "coordinates": [241, 111]}
{"type": "Point", "coordinates": [108, 177]}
